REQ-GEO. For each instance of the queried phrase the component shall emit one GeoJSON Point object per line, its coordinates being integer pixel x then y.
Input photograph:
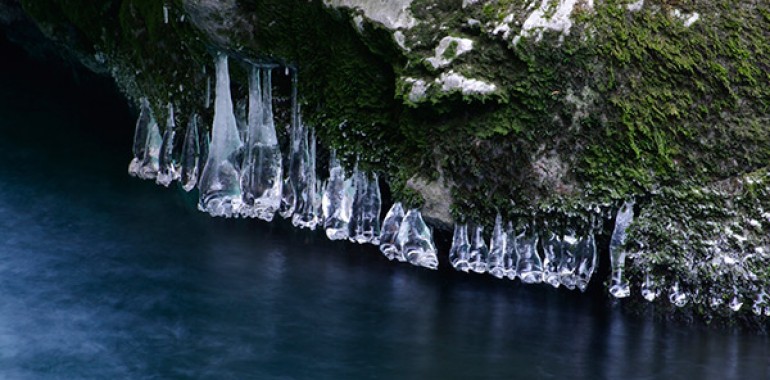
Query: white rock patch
{"type": "Point", "coordinates": [542, 18]}
{"type": "Point", "coordinates": [451, 81]}
{"type": "Point", "coordinates": [393, 14]}
{"type": "Point", "coordinates": [419, 87]}
{"type": "Point", "coordinates": [462, 46]}
{"type": "Point", "coordinates": [687, 18]}
{"type": "Point", "coordinates": [636, 6]}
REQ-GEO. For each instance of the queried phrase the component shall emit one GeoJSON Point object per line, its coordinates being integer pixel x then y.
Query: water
{"type": "Point", "coordinates": [106, 276]}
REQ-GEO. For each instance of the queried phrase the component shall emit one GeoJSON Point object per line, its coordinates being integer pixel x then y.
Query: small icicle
{"type": "Point", "coordinates": [168, 169]}
{"type": "Point", "coordinates": [529, 264]}
{"type": "Point", "coordinates": [479, 252]}
{"type": "Point", "coordinates": [458, 254]}
{"type": "Point", "coordinates": [676, 296]}
{"type": "Point", "coordinates": [586, 259]}
{"type": "Point", "coordinates": [220, 193]}
{"type": "Point", "coordinates": [509, 256]}
{"type": "Point", "coordinates": [336, 205]}
{"type": "Point", "coordinates": [140, 137]}
{"type": "Point", "coordinates": [735, 302]}
{"type": "Point", "coordinates": [291, 184]}
{"type": "Point", "coordinates": [150, 163]}
{"type": "Point", "coordinates": [305, 216]}
{"type": "Point", "coordinates": [165, 14]}
{"type": "Point", "coordinates": [372, 209]}
{"type": "Point", "coordinates": [415, 241]}
{"type": "Point", "coordinates": [356, 225]}
{"type": "Point", "coordinates": [390, 227]}
{"type": "Point", "coordinates": [552, 252]}
{"type": "Point", "coordinates": [262, 174]}
{"type": "Point", "coordinates": [497, 248]}
{"type": "Point", "coordinates": [191, 154]}
{"type": "Point", "coordinates": [207, 98]}
{"type": "Point", "coordinates": [648, 288]}
{"type": "Point", "coordinates": [568, 260]}
{"type": "Point", "coordinates": [619, 287]}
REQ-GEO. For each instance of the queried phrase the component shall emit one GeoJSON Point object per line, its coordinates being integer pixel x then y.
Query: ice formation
{"type": "Point", "coordinates": [478, 251]}
{"type": "Point", "coordinates": [552, 252]}
{"type": "Point", "coordinates": [293, 173]}
{"type": "Point", "coordinates": [510, 255]}
{"type": "Point", "coordinates": [677, 296]}
{"type": "Point", "coordinates": [356, 223]}
{"type": "Point", "coordinates": [191, 154]}
{"type": "Point", "coordinates": [305, 214]}
{"type": "Point", "coordinates": [619, 287]}
{"type": "Point", "coordinates": [415, 241]}
{"type": "Point", "coordinates": [528, 265]}
{"type": "Point", "coordinates": [262, 175]}
{"type": "Point", "coordinates": [336, 202]}
{"type": "Point", "coordinates": [372, 208]}
{"type": "Point", "coordinates": [648, 288]}
{"type": "Point", "coordinates": [140, 137]}
{"type": "Point", "coordinates": [586, 261]}
{"type": "Point", "coordinates": [150, 163]}
{"type": "Point", "coordinates": [220, 193]}
{"type": "Point", "coordinates": [567, 261]}
{"type": "Point", "coordinates": [497, 248]}
{"type": "Point", "coordinates": [389, 233]}
{"type": "Point", "coordinates": [168, 170]}
{"type": "Point", "coordinates": [458, 253]}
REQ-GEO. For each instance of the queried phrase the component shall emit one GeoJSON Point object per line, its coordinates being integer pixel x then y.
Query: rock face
{"type": "Point", "coordinates": [553, 108]}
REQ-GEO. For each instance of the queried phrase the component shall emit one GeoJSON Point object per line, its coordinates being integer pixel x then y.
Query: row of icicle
{"type": "Point", "coordinates": [243, 174]}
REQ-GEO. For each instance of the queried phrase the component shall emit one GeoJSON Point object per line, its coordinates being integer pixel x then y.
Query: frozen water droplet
{"type": "Point", "coordinates": [390, 227]}
{"type": "Point", "coordinates": [497, 247]}
{"type": "Point", "coordinates": [619, 286]}
{"type": "Point", "coordinates": [415, 241]}
{"type": "Point", "coordinates": [220, 193]}
{"type": "Point", "coordinates": [478, 251]}
{"type": "Point", "coordinates": [458, 253]}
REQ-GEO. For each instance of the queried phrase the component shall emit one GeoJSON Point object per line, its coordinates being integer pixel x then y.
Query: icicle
{"type": "Point", "coordinates": [165, 14]}
{"type": "Point", "coordinates": [356, 225]}
{"type": "Point", "coordinates": [261, 177]}
{"type": "Point", "coordinates": [509, 256]}
{"type": "Point", "coordinates": [372, 209]}
{"type": "Point", "coordinates": [304, 215]}
{"type": "Point", "coordinates": [294, 169]}
{"type": "Point", "coordinates": [648, 288]}
{"type": "Point", "coordinates": [458, 254]}
{"type": "Point", "coordinates": [168, 170]}
{"type": "Point", "coordinates": [568, 262]}
{"type": "Point", "coordinates": [415, 241]}
{"type": "Point", "coordinates": [479, 252]}
{"type": "Point", "coordinates": [150, 163]}
{"type": "Point", "coordinates": [241, 119]}
{"type": "Point", "coordinates": [336, 210]}
{"type": "Point", "coordinates": [619, 287]}
{"type": "Point", "coordinates": [735, 303]}
{"type": "Point", "coordinates": [529, 265]}
{"type": "Point", "coordinates": [676, 296]}
{"type": "Point", "coordinates": [586, 261]}
{"type": "Point", "coordinates": [390, 227]}
{"type": "Point", "coordinates": [552, 252]}
{"type": "Point", "coordinates": [191, 154]}
{"type": "Point", "coordinates": [207, 98]}
{"type": "Point", "coordinates": [497, 248]}
{"type": "Point", "coordinates": [220, 193]}
{"type": "Point", "coordinates": [140, 137]}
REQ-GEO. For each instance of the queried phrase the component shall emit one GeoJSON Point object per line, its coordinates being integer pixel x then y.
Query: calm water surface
{"type": "Point", "coordinates": [104, 276]}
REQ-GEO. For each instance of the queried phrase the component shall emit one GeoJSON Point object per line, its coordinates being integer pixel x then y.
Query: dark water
{"type": "Point", "coordinates": [103, 276]}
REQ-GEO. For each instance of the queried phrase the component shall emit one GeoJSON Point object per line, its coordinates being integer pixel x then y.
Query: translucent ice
{"type": "Point", "coordinates": [759, 303]}
{"type": "Point", "coordinates": [150, 162]}
{"type": "Point", "coordinates": [336, 202]}
{"type": "Point", "coordinates": [619, 287]}
{"type": "Point", "coordinates": [390, 228]}
{"type": "Point", "coordinates": [510, 255]}
{"type": "Point", "coordinates": [458, 253]}
{"type": "Point", "coordinates": [528, 263]}
{"type": "Point", "coordinates": [568, 259]}
{"type": "Point", "coordinates": [191, 154]}
{"type": "Point", "coordinates": [479, 252]}
{"type": "Point", "coordinates": [294, 170]}
{"type": "Point", "coordinates": [261, 176]}
{"type": "Point", "coordinates": [168, 168]}
{"type": "Point", "coordinates": [648, 288]}
{"type": "Point", "coordinates": [305, 215]}
{"type": "Point", "coordinates": [735, 303]}
{"type": "Point", "coordinates": [415, 241]}
{"type": "Point", "coordinates": [586, 260]}
{"type": "Point", "coordinates": [140, 137]}
{"type": "Point", "coordinates": [356, 225]}
{"type": "Point", "coordinates": [220, 193]}
{"type": "Point", "coordinates": [497, 248]}
{"type": "Point", "coordinates": [372, 208]}
{"type": "Point", "coordinates": [552, 252]}
{"type": "Point", "coordinates": [677, 296]}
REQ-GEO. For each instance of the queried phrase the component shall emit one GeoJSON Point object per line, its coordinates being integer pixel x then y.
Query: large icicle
{"type": "Point", "coordinates": [293, 173]}
{"type": "Point", "coordinates": [336, 203]}
{"type": "Point", "coordinates": [220, 193]}
{"type": "Point", "coordinates": [389, 234]}
{"type": "Point", "coordinates": [497, 248]}
{"type": "Point", "coordinates": [305, 214]}
{"type": "Point", "coordinates": [586, 261]}
{"type": "Point", "coordinates": [150, 162]}
{"type": "Point", "coordinates": [261, 177]}
{"type": "Point", "coordinates": [191, 154]}
{"type": "Point", "coordinates": [356, 225]}
{"type": "Point", "coordinates": [168, 168]}
{"type": "Point", "coordinates": [372, 209]}
{"type": "Point", "coordinates": [510, 255]}
{"type": "Point", "coordinates": [619, 287]}
{"type": "Point", "coordinates": [478, 251]}
{"type": "Point", "coordinates": [567, 262]}
{"type": "Point", "coordinates": [140, 137]}
{"type": "Point", "coordinates": [458, 254]}
{"type": "Point", "coordinates": [552, 252]}
{"type": "Point", "coordinates": [528, 264]}
{"type": "Point", "coordinates": [415, 241]}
